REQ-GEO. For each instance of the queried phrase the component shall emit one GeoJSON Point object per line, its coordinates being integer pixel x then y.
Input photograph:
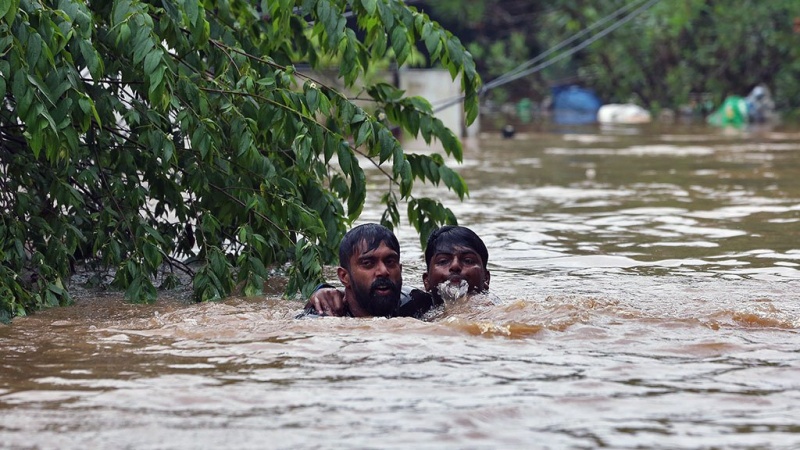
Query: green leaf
{"type": "Point", "coordinates": [370, 6]}
{"type": "Point", "coordinates": [22, 92]}
{"type": "Point", "coordinates": [152, 255]}
{"type": "Point", "coordinates": [330, 147]}
{"type": "Point", "coordinates": [431, 37]}
{"type": "Point", "coordinates": [5, 6]}
{"type": "Point", "coordinates": [380, 44]}
{"type": "Point", "coordinates": [386, 142]}
{"type": "Point", "coordinates": [42, 88]}
{"type": "Point", "coordinates": [152, 232]}
{"type": "Point", "coordinates": [312, 99]}
{"type": "Point", "coordinates": [400, 43]}
{"type": "Point", "coordinates": [191, 8]}
{"type": "Point", "coordinates": [358, 194]}
{"type": "Point", "coordinates": [152, 60]}
{"type": "Point", "coordinates": [87, 105]}
{"type": "Point", "coordinates": [143, 46]}
{"type": "Point", "coordinates": [385, 13]}
{"type": "Point", "coordinates": [172, 10]}
{"type": "Point", "coordinates": [155, 81]}
{"type": "Point", "coordinates": [364, 133]}
{"type": "Point", "coordinates": [406, 179]}
{"type": "Point", "coordinates": [345, 155]}
{"type": "Point", "coordinates": [245, 143]}
{"type": "Point", "coordinates": [121, 10]}
{"type": "Point", "coordinates": [49, 118]}
{"type": "Point", "coordinates": [10, 15]}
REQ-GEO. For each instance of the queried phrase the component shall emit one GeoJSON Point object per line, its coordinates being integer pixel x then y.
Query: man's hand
{"type": "Point", "coordinates": [328, 302]}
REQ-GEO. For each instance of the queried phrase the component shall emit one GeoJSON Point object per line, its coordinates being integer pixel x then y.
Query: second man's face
{"type": "Point", "coordinates": [452, 265]}
{"type": "Point", "coordinates": [376, 279]}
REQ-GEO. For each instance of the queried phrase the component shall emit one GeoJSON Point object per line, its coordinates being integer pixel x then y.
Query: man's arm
{"type": "Point", "coordinates": [327, 301]}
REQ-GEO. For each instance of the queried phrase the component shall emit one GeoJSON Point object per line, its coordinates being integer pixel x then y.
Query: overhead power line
{"type": "Point", "coordinates": [514, 74]}
{"type": "Point", "coordinates": [528, 67]}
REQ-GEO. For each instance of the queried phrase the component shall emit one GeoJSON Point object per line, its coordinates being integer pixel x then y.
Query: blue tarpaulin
{"type": "Point", "coordinates": [573, 104]}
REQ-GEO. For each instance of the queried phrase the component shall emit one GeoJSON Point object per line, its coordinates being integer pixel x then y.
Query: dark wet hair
{"type": "Point", "coordinates": [453, 235]}
{"type": "Point", "coordinates": [373, 234]}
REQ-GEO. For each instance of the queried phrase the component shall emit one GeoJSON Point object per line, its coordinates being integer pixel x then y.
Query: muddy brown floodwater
{"type": "Point", "coordinates": [644, 294]}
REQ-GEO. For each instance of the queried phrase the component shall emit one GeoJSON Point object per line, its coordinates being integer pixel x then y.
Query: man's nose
{"type": "Point", "coordinates": [455, 265]}
{"type": "Point", "coordinates": [381, 269]}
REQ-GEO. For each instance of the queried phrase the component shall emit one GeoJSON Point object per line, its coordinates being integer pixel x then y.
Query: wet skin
{"type": "Point", "coordinates": [454, 264]}
{"type": "Point", "coordinates": [373, 283]}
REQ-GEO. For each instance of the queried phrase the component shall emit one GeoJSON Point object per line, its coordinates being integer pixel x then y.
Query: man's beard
{"type": "Point", "coordinates": [379, 305]}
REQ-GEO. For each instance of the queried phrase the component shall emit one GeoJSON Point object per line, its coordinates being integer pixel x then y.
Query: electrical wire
{"type": "Point", "coordinates": [525, 69]}
{"type": "Point", "coordinates": [502, 79]}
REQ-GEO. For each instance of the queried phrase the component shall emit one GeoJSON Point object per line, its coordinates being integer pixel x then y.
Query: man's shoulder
{"type": "Point", "coordinates": [415, 303]}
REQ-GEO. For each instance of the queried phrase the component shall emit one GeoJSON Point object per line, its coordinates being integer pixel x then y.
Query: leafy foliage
{"type": "Point", "coordinates": [677, 49]}
{"type": "Point", "coordinates": [140, 136]}
{"type": "Point", "coordinates": [500, 34]}
{"type": "Point", "coordinates": [668, 55]}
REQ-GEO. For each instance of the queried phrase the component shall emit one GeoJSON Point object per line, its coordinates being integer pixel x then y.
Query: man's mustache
{"type": "Point", "coordinates": [382, 283]}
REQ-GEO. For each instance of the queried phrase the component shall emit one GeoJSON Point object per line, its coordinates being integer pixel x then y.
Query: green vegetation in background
{"type": "Point", "coordinates": [138, 136]}
{"type": "Point", "coordinates": [500, 34]}
{"type": "Point", "coordinates": [665, 57]}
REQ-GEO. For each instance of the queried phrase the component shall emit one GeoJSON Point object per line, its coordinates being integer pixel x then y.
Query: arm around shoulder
{"type": "Point", "coordinates": [327, 301]}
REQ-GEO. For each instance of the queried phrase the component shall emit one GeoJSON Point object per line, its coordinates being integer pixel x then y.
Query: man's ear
{"type": "Point", "coordinates": [344, 276]}
{"type": "Point", "coordinates": [486, 281]}
{"type": "Point", "coordinates": [425, 281]}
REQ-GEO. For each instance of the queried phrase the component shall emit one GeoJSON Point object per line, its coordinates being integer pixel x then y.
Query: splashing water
{"type": "Point", "coordinates": [451, 292]}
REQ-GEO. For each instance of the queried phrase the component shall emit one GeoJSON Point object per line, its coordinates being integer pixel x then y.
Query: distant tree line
{"type": "Point", "coordinates": [673, 52]}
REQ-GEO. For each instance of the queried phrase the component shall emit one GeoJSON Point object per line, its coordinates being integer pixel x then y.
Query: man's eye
{"type": "Point", "coordinates": [367, 264]}
{"type": "Point", "coordinates": [442, 261]}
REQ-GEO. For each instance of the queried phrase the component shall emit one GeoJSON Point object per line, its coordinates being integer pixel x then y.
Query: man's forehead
{"type": "Point", "coordinates": [453, 249]}
{"type": "Point", "coordinates": [362, 248]}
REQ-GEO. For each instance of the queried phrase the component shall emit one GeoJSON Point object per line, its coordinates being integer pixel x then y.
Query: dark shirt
{"type": "Point", "coordinates": [413, 303]}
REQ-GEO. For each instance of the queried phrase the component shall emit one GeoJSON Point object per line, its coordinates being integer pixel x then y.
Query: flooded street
{"type": "Point", "coordinates": [644, 294]}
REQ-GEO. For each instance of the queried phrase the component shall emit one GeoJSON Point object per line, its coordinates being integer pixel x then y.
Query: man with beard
{"type": "Point", "coordinates": [370, 271]}
{"type": "Point", "coordinates": [456, 261]}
